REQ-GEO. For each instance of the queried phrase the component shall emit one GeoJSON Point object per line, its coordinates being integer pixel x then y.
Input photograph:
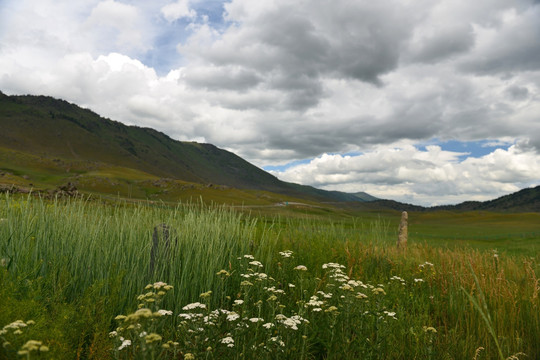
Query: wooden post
{"type": "Point", "coordinates": [402, 233]}
{"type": "Point", "coordinates": [160, 240]}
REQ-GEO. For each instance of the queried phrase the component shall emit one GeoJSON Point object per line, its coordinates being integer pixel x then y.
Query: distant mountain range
{"type": "Point", "coordinates": [47, 142]}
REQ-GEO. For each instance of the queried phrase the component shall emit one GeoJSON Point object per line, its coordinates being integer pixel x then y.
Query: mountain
{"type": "Point", "coordinates": [525, 200]}
{"type": "Point", "coordinates": [55, 130]}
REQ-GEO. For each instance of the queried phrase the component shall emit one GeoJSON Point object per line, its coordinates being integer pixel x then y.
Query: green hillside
{"type": "Point", "coordinates": [52, 136]}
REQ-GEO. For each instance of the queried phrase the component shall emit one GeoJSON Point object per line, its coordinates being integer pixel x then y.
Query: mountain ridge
{"type": "Point", "coordinates": [54, 128]}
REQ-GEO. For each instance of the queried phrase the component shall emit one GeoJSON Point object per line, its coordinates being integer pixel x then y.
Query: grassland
{"type": "Point", "coordinates": [296, 282]}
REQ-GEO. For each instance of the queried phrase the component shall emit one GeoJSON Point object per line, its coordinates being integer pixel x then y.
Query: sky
{"type": "Point", "coordinates": [428, 102]}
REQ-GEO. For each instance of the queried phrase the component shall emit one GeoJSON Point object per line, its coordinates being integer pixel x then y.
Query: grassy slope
{"type": "Point", "coordinates": [55, 129]}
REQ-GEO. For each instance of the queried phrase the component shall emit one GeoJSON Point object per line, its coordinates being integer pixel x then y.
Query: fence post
{"type": "Point", "coordinates": [402, 233]}
{"type": "Point", "coordinates": [161, 235]}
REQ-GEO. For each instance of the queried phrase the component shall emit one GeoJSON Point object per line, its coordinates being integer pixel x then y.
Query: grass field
{"type": "Point", "coordinates": [291, 282]}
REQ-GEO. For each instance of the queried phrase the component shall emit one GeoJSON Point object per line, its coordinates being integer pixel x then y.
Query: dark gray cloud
{"type": "Point", "coordinates": [222, 78]}
{"type": "Point", "coordinates": [518, 93]}
{"type": "Point", "coordinates": [294, 48]}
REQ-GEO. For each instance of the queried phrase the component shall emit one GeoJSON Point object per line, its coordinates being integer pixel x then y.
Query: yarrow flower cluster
{"type": "Point", "coordinates": [286, 253]}
{"type": "Point", "coordinates": [229, 341]}
{"type": "Point", "coordinates": [137, 330]}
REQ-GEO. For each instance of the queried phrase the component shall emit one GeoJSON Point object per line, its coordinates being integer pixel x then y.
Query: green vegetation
{"type": "Point", "coordinates": [76, 281]}
{"type": "Point", "coordinates": [51, 141]}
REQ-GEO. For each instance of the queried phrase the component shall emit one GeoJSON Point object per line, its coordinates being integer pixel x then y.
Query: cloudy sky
{"type": "Point", "coordinates": [421, 101]}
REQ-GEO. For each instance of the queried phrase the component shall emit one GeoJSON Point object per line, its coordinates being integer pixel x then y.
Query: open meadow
{"type": "Point", "coordinates": [82, 279]}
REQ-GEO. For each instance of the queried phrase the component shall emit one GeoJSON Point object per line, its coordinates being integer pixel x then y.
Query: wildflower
{"type": "Point", "coordinates": [286, 253]}
{"type": "Point", "coordinates": [431, 329]}
{"type": "Point", "coordinates": [301, 268]}
{"type": "Point", "coordinates": [354, 283]}
{"type": "Point", "coordinates": [333, 266]}
{"type": "Point", "coordinates": [189, 316]}
{"type": "Point", "coordinates": [246, 283]}
{"type": "Point", "coordinates": [153, 337]}
{"type": "Point", "coordinates": [390, 314]}
{"type": "Point", "coordinates": [206, 294]}
{"type": "Point", "coordinates": [189, 356]}
{"type": "Point", "coordinates": [196, 305]}
{"type": "Point", "coordinates": [256, 320]}
{"type": "Point", "coordinates": [261, 276]}
{"type": "Point", "coordinates": [228, 340]}
{"type": "Point", "coordinates": [378, 290]}
{"type": "Point", "coordinates": [292, 285]}
{"type": "Point", "coordinates": [32, 345]}
{"type": "Point", "coordinates": [141, 313]}
{"type": "Point", "coordinates": [290, 323]}
{"type": "Point", "coordinates": [268, 325]}
{"type": "Point", "coordinates": [418, 280]}
{"type": "Point", "coordinates": [331, 309]}
{"type": "Point", "coordinates": [238, 302]}
{"type": "Point", "coordinates": [346, 287]}
{"type": "Point", "coordinates": [164, 312]}
{"type": "Point", "coordinates": [120, 317]}
{"type": "Point", "coordinates": [125, 344]}
{"type": "Point", "coordinates": [314, 301]}
{"type": "Point", "coordinates": [273, 289]}
{"type": "Point", "coordinates": [251, 257]}
{"type": "Point", "coordinates": [223, 272]}
{"type": "Point", "coordinates": [233, 316]}
{"type": "Point", "coordinates": [113, 334]}
{"type": "Point", "coordinates": [158, 285]}
{"type": "Point", "coordinates": [277, 340]}
{"type": "Point", "coordinates": [256, 263]}
{"type": "Point", "coordinates": [361, 296]}
{"type": "Point", "coordinates": [15, 325]}
{"type": "Point", "coordinates": [272, 298]}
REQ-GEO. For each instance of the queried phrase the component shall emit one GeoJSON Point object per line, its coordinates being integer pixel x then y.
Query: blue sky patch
{"type": "Point", "coordinates": [474, 149]}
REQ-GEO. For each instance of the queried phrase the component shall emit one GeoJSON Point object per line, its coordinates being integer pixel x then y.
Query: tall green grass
{"type": "Point", "coordinates": [73, 265]}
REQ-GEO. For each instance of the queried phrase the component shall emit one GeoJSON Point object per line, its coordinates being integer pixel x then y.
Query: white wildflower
{"type": "Point", "coordinates": [333, 266]}
{"type": "Point", "coordinates": [196, 305]}
{"type": "Point", "coordinates": [256, 263]}
{"type": "Point", "coordinates": [125, 344]}
{"type": "Point", "coordinates": [301, 268]}
{"type": "Point", "coordinates": [361, 296]}
{"type": "Point", "coordinates": [238, 302]}
{"type": "Point", "coordinates": [250, 257]}
{"type": "Point", "coordinates": [233, 316]}
{"type": "Point", "coordinates": [228, 340]}
{"type": "Point", "coordinates": [268, 325]}
{"type": "Point", "coordinates": [164, 312]}
{"type": "Point", "coordinates": [314, 301]}
{"type": "Point", "coordinates": [286, 253]}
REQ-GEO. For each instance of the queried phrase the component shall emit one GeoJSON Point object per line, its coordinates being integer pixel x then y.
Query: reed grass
{"type": "Point", "coordinates": [73, 265]}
